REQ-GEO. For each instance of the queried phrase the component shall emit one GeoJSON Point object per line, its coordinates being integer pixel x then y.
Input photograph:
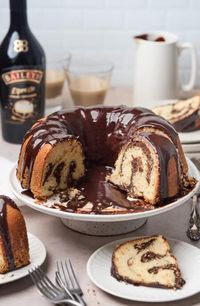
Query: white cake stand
{"type": "Point", "coordinates": [102, 225]}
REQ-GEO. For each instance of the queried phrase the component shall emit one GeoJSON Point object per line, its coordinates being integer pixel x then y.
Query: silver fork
{"type": "Point", "coordinates": [193, 231]}
{"type": "Point", "coordinates": [69, 280]}
{"type": "Point", "coordinates": [54, 294]}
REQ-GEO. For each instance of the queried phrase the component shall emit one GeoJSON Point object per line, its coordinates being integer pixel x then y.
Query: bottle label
{"type": "Point", "coordinates": [21, 92]}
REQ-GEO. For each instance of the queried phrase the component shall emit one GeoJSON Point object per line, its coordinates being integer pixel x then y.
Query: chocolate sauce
{"type": "Point", "coordinates": [147, 37]}
{"type": "Point", "coordinates": [28, 193]}
{"type": "Point", "coordinates": [160, 39]}
{"type": "Point", "coordinates": [166, 153]}
{"type": "Point", "coordinates": [189, 123]}
{"type": "Point", "coordinates": [4, 202]}
{"type": "Point", "coordinates": [96, 190]}
{"type": "Point", "coordinates": [102, 132]}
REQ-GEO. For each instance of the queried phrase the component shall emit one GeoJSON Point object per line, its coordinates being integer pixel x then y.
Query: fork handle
{"type": "Point", "coordinates": [79, 299]}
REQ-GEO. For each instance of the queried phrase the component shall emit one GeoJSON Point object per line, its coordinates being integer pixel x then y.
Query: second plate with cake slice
{"type": "Point", "coordinates": [188, 257]}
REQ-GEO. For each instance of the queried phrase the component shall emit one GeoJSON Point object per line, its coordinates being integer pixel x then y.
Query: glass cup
{"type": "Point", "coordinates": [55, 79]}
{"type": "Point", "coordinates": [88, 80]}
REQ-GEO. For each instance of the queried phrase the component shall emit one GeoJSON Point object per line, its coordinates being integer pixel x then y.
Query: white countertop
{"type": "Point", "coordinates": [62, 242]}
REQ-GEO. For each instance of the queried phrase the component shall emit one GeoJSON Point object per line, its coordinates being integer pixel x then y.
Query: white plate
{"type": "Point", "coordinates": [37, 256]}
{"type": "Point", "coordinates": [185, 138]}
{"type": "Point", "coordinates": [188, 256]}
{"type": "Point", "coordinates": [16, 189]}
{"type": "Point", "coordinates": [190, 137]}
{"type": "Point", "coordinates": [191, 148]}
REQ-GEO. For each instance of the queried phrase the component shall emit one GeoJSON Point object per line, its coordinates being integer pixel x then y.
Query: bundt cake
{"type": "Point", "coordinates": [14, 249]}
{"type": "Point", "coordinates": [147, 261]}
{"type": "Point", "coordinates": [184, 115]}
{"type": "Point", "coordinates": [143, 148]}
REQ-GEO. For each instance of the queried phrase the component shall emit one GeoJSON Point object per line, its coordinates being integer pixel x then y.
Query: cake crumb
{"type": "Point", "coordinates": [73, 192]}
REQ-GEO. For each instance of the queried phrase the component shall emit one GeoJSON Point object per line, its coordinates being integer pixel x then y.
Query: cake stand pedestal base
{"type": "Point", "coordinates": [104, 228]}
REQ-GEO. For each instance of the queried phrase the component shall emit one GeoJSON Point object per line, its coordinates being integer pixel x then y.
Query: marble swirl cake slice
{"type": "Point", "coordinates": [14, 247]}
{"type": "Point", "coordinates": [148, 168]}
{"type": "Point", "coordinates": [183, 115]}
{"type": "Point", "coordinates": [147, 261]}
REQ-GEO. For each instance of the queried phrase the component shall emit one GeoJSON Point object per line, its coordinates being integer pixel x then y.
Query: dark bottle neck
{"type": "Point", "coordinates": [18, 14]}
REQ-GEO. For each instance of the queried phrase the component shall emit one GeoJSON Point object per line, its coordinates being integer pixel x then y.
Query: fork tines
{"type": "Point", "coordinates": [66, 271]}
{"type": "Point", "coordinates": [43, 283]}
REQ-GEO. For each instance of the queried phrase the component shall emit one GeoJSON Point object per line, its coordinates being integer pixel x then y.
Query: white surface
{"type": "Point", "coordinates": [192, 148]}
{"type": "Point", "coordinates": [188, 256]}
{"type": "Point", "coordinates": [104, 28]}
{"type": "Point", "coordinates": [37, 257]}
{"type": "Point", "coordinates": [16, 189]}
{"type": "Point", "coordinates": [190, 138]}
{"type": "Point", "coordinates": [5, 168]}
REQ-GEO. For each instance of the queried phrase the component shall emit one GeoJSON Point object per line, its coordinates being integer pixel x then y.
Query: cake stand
{"type": "Point", "coordinates": [102, 225]}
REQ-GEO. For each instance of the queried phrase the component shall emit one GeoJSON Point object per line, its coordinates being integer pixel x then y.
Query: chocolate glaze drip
{"type": "Point", "coordinates": [166, 152]}
{"type": "Point", "coordinates": [4, 202]}
{"type": "Point", "coordinates": [189, 123]}
{"type": "Point", "coordinates": [96, 190]}
{"type": "Point", "coordinates": [101, 130]}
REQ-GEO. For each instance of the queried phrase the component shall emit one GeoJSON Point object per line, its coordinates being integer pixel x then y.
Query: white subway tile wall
{"type": "Point", "coordinates": [104, 28]}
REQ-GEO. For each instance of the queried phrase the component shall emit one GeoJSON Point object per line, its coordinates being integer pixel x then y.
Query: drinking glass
{"type": "Point", "coordinates": [55, 79]}
{"type": "Point", "coordinates": [88, 80]}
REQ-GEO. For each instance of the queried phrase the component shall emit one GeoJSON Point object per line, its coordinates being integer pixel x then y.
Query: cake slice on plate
{"type": "Point", "coordinates": [147, 261]}
{"type": "Point", "coordinates": [14, 248]}
{"type": "Point", "coordinates": [183, 114]}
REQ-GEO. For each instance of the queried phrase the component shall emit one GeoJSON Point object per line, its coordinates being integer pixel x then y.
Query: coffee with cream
{"type": "Point", "coordinates": [88, 90]}
{"type": "Point", "coordinates": [54, 83]}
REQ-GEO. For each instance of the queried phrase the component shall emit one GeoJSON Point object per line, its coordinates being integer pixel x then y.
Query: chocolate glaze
{"type": "Point", "coordinates": [101, 130]}
{"type": "Point", "coordinates": [94, 187]}
{"type": "Point", "coordinates": [189, 123]}
{"type": "Point", "coordinates": [96, 190]}
{"type": "Point", "coordinates": [165, 152]}
{"type": "Point", "coordinates": [4, 202]}
{"type": "Point", "coordinates": [186, 122]}
{"type": "Point", "coordinates": [28, 193]}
